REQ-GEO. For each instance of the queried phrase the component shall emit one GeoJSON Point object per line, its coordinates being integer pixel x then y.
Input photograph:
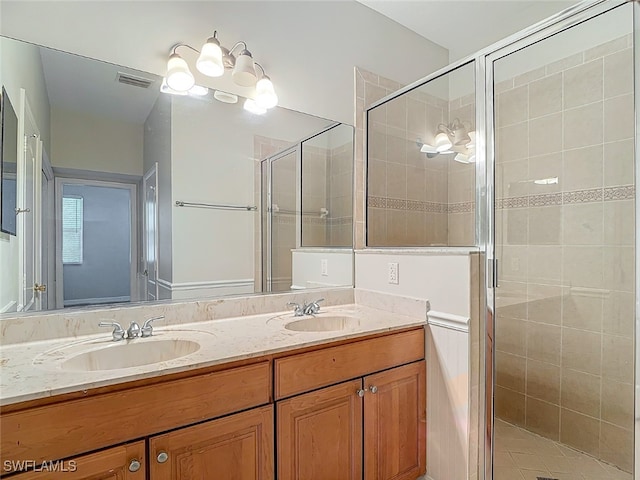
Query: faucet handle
{"type": "Point", "coordinates": [134, 330]}
{"type": "Point", "coordinates": [147, 328]}
{"type": "Point", "coordinates": [118, 332]}
{"type": "Point", "coordinates": [313, 307]}
{"type": "Point", "coordinates": [298, 311]}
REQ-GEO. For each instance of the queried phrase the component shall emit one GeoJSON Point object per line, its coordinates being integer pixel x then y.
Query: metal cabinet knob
{"type": "Point", "coordinates": [373, 389]}
{"type": "Point", "coordinates": [162, 457]}
{"type": "Point", "coordinates": [360, 392]}
{"type": "Point", "coordinates": [134, 465]}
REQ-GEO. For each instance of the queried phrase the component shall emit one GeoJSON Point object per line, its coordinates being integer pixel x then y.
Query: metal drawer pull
{"type": "Point", "coordinates": [373, 389]}
{"type": "Point", "coordinates": [134, 466]}
{"type": "Point", "coordinates": [162, 457]}
{"type": "Point", "coordinates": [360, 392]}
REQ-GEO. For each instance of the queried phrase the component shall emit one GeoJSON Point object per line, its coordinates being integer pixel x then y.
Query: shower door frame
{"type": "Point", "coordinates": [486, 199]}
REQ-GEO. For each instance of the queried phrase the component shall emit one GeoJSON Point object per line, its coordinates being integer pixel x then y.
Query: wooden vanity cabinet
{"type": "Point", "coordinates": [125, 462]}
{"type": "Point", "coordinates": [380, 417]}
{"type": "Point", "coordinates": [238, 447]}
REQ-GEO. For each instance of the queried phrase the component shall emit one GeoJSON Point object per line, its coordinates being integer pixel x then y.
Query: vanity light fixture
{"type": "Point", "coordinates": [213, 60]}
{"type": "Point", "coordinates": [250, 105]}
{"type": "Point", "coordinates": [195, 90]}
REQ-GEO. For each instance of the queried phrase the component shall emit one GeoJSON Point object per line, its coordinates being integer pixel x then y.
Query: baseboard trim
{"type": "Point", "coordinates": [184, 286]}
{"type": "Point", "coordinates": [96, 301]}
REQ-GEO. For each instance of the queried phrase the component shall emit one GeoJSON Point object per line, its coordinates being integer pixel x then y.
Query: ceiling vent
{"type": "Point", "coordinates": [133, 81]}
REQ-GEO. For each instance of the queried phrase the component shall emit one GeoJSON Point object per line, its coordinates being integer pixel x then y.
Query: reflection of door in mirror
{"type": "Point", "coordinates": [284, 216]}
{"type": "Point", "coordinates": [150, 188]}
{"type": "Point", "coordinates": [8, 164]}
{"type": "Point", "coordinates": [97, 242]}
{"type": "Point", "coordinates": [28, 228]}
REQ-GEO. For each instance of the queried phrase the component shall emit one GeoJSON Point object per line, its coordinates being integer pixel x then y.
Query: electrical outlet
{"type": "Point", "coordinates": [324, 267]}
{"type": "Point", "coordinates": [393, 273]}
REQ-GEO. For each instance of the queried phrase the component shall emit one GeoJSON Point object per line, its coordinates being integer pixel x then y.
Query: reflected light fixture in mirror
{"type": "Point", "coordinates": [454, 138]}
{"type": "Point", "coordinates": [213, 60]}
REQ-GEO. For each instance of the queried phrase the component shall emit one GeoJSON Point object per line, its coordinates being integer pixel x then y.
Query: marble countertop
{"type": "Point", "coordinates": [34, 370]}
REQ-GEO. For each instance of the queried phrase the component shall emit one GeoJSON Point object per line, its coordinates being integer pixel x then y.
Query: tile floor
{"type": "Point", "coordinates": [522, 455]}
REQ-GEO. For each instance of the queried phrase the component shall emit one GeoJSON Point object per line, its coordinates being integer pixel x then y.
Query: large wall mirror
{"type": "Point", "coordinates": [129, 193]}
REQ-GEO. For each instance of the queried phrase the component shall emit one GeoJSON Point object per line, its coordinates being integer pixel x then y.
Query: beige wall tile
{"type": "Point", "coordinates": [510, 406]}
{"type": "Point", "coordinates": [583, 224]}
{"type": "Point", "coordinates": [510, 371]}
{"type": "Point", "coordinates": [396, 147]}
{"type": "Point", "coordinates": [373, 93]}
{"type": "Point", "coordinates": [416, 182]}
{"type": "Point", "coordinates": [619, 268]}
{"type": "Point", "coordinates": [543, 342]}
{"type": "Point", "coordinates": [377, 178]}
{"type": "Point", "coordinates": [514, 263]}
{"type": "Point", "coordinates": [618, 118]}
{"type": "Point", "coordinates": [376, 227]}
{"type": "Point", "coordinates": [512, 179]}
{"type": "Point", "coordinates": [543, 381]}
{"type": "Point", "coordinates": [396, 227]}
{"type": "Point", "coordinates": [618, 163]}
{"type": "Point", "coordinates": [512, 106]}
{"type": "Point", "coordinates": [583, 84]}
{"type": "Point", "coordinates": [619, 313]}
{"type": "Point", "coordinates": [616, 446]}
{"type": "Point", "coordinates": [512, 226]}
{"type": "Point", "coordinates": [565, 63]}
{"type": "Point", "coordinates": [543, 418]}
{"type": "Point", "coordinates": [617, 358]}
{"type": "Point", "coordinates": [582, 168]}
{"type": "Point", "coordinates": [617, 403]}
{"type": "Point", "coordinates": [397, 112]}
{"type": "Point", "coordinates": [582, 310]}
{"type": "Point", "coordinates": [396, 181]}
{"type": "Point", "coordinates": [606, 48]}
{"type": "Point", "coordinates": [545, 264]}
{"type": "Point", "coordinates": [511, 335]}
{"type": "Point", "coordinates": [580, 431]}
{"type": "Point", "coordinates": [545, 96]}
{"type": "Point", "coordinates": [619, 223]}
{"type": "Point", "coordinates": [581, 350]}
{"type": "Point", "coordinates": [583, 126]}
{"type": "Point", "coordinates": [545, 134]}
{"type": "Point", "coordinates": [545, 225]}
{"type": "Point", "coordinates": [545, 303]}
{"type": "Point", "coordinates": [582, 266]}
{"type": "Point", "coordinates": [581, 392]}
{"type": "Point", "coordinates": [512, 142]}
{"type": "Point", "coordinates": [417, 117]}
{"type": "Point", "coordinates": [618, 73]}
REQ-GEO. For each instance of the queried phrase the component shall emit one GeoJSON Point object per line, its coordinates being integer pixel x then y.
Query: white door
{"type": "Point", "coordinates": [150, 187]}
{"type": "Point", "coordinates": [28, 211]}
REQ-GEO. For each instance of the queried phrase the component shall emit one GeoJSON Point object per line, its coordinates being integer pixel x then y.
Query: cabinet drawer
{"type": "Point", "coordinates": [115, 463]}
{"type": "Point", "coordinates": [70, 428]}
{"type": "Point", "coordinates": [307, 371]}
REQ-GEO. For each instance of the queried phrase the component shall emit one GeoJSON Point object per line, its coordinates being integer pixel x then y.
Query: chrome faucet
{"type": "Point", "coordinates": [118, 332]}
{"type": "Point", "coordinates": [133, 331]}
{"type": "Point", "coordinates": [312, 308]}
{"type": "Point", "coordinates": [298, 311]}
{"type": "Point", "coordinates": [147, 329]}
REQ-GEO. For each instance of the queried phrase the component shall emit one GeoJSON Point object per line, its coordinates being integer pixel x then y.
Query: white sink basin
{"type": "Point", "coordinates": [322, 324]}
{"type": "Point", "coordinates": [133, 354]}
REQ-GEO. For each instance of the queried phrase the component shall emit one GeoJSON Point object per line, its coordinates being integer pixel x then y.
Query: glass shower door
{"type": "Point", "coordinates": [565, 243]}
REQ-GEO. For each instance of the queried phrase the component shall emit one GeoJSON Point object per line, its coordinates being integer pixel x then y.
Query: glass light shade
{"type": "Point", "coordinates": [244, 73]}
{"type": "Point", "coordinates": [426, 148]}
{"type": "Point", "coordinates": [210, 60]}
{"type": "Point", "coordinates": [164, 88]}
{"type": "Point", "coordinates": [198, 91]}
{"type": "Point", "coordinates": [462, 158]}
{"type": "Point", "coordinates": [251, 106]}
{"type": "Point", "coordinates": [442, 142]}
{"type": "Point", "coordinates": [179, 76]}
{"type": "Point", "coordinates": [472, 140]}
{"type": "Point", "coordinates": [265, 94]}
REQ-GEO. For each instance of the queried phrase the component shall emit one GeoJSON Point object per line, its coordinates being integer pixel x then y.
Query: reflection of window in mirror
{"type": "Point", "coordinates": [72, 229]}
{"type": "Point", "coordinates": [421, 165]}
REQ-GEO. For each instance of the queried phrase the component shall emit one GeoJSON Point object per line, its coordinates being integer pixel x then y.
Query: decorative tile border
{"type": "Point", "coordinates": [419, 206]}
{"type": "Point", "coordinates": [592, 195]}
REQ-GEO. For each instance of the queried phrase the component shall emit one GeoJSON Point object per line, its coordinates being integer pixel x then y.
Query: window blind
{"type": "Point", "coordinates": [72, 229]}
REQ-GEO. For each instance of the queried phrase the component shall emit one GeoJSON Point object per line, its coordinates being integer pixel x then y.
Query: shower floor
{"type": "Point", "coordinates": [522, 455]}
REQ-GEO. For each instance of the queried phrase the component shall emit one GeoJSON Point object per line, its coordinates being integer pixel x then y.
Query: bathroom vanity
{"type": "Point", "coordinates": [324, 406]}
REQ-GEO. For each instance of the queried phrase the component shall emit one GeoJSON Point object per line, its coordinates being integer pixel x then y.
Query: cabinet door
{"type": "Point", "coordinates": [238, 447]}
{"type": "Point", "coordinates": [125, 462]}
{"type": "Point", "coordinates": [395, 423]}
{"type": "Point", "coordinates": [320, 434]}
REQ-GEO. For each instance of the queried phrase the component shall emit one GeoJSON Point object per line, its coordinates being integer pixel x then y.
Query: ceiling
{"type": "Point", "coordinates": [466, 26]}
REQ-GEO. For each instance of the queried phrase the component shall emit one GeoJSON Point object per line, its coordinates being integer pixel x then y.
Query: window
{"type": "Point", "coordinates": [72, 223]}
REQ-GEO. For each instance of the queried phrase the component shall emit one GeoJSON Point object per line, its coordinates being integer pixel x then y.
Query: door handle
{"type": "Point", "coordinates": [40, 288]}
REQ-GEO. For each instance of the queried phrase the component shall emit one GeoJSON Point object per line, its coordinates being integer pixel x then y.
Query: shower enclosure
{"type": "Point", "coordinates": [306, 203]}
{"type": "Point", "coordinates": [553, 141]}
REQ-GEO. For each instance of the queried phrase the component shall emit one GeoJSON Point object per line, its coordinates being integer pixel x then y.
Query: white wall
{"type": "Point", "coordinates": [309, 48]}
{"type": "Point", "coordinates": [442, 278]}
{"type": "Point", "coordinates": [20, 67]}
{"type": "Point", "coordinates": [89, 142]}
{"type": "Point", "coordinates": [212, 156]}
{"type": "Point", "coordinates": [307, 267]}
